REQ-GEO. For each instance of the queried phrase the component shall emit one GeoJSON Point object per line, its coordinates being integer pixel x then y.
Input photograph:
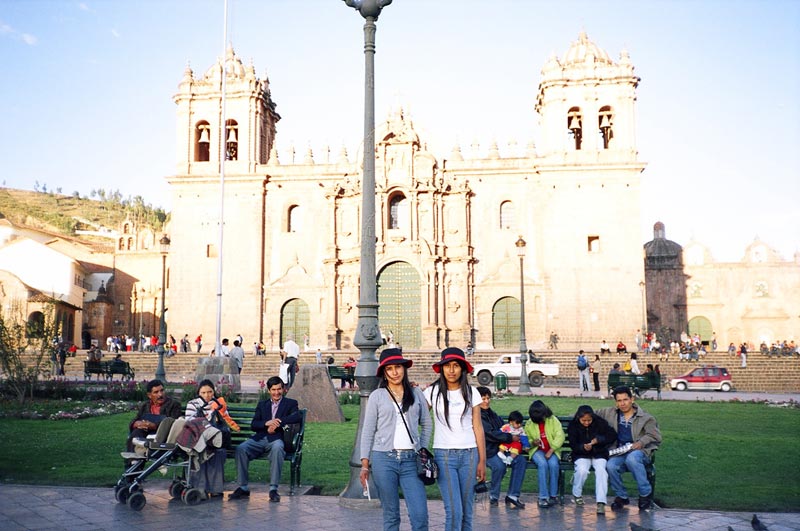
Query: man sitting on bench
{"type": "Point", "coordinates": [152, 412]}
{"type": "Point", "coordinates": [639, 428]}
{"type": "Point", "coordinates": [268, 422]}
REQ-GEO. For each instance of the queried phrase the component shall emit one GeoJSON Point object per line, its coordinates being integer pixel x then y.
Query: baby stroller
{"type": "Point", "coordinates": [174, 446]}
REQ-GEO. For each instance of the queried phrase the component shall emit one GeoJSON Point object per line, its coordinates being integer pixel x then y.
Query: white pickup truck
{"type": "Point", "coordinates": [509, 365]}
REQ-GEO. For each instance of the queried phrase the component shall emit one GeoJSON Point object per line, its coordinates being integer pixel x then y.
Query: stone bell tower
{"type": "Point", "coordinates": [586, 103]}
{"type": "Point", "coordinates": [244, 141]}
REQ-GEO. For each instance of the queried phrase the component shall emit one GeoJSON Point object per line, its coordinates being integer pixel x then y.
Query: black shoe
{"type": "Point", "coordinates": [515, 504]}
{"type": "Point", "coordinates": [274, 496]}
{"type": "Point", "coordinates": [492, 502]}
{"type": "Point", "coordinates": [238, 494]}
{"type": "Point", "coordinates": [646, 502]}
{"type": "Point", "coordinates": [619, 503]}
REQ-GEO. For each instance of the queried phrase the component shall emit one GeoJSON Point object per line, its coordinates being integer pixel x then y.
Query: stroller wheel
{"type": "Point", "coordinates": [176, 489]}
{"type": "Point", "coordinates": [192, 496]}
{"type": "Point", "coordinates": [137, 501]}
{"type": "Point", "coordinates": [118, 489]}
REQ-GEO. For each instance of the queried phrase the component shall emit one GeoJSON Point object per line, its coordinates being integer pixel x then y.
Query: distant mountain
{"type": "Point", "coordinates": [73, 215]}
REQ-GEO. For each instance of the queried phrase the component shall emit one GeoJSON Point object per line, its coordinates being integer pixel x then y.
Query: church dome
{"type": "Point", "coordinates": [585, 51]}
{"type": "Point", "coordinates": [660, 252]}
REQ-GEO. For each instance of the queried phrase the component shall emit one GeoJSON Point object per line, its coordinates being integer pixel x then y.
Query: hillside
{"type": "Point", "coordinates": [66, 215]}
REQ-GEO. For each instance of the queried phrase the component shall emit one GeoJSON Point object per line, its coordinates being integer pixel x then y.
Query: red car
{"type": "Point", "coordinates": [707, 377]}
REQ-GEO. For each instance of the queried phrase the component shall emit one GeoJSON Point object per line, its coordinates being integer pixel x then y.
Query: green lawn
{"type": "Point", "coordinates": [728, 456]}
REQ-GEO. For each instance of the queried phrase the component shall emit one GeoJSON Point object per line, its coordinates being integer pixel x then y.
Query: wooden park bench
{"type": "Point", "coordinates": [123, 368]}
{"type": "Point", "coordinates": [243, 415]}
{"type": "Point", "coordinates": [100, 368]}
{"type": "Point", "coordinates": [566, 465]}
{"type": "Point", "coordinates": [345, 375]}
{"type": "Point", "coordinates": [638, 383]}
{"type": "Point", "coordinates": [107, 369]}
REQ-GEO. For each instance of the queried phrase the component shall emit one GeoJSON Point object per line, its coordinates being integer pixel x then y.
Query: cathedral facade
{"type": "Point", "coordinates": [458, 238]}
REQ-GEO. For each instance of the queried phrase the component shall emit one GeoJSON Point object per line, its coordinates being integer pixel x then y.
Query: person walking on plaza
{"type": "Point", "coordinates": [458, 440]}
{"type": "Point", "coordinates": [639, 428]}
{"type": "Point", "coordinates": [199, 342]}
{"type": "Point", "coordinates": [396, 426]}
{"type": "Point", "coordinates": [291, 351]}
{"type": "Point", "coordinates": [237, 353]}
{"type": "Point", "coordinates": [596, 367]}
{"type": "Point", "coordinates": [583, 372]}
{"type": "Point", "coordinates": [492, 424]}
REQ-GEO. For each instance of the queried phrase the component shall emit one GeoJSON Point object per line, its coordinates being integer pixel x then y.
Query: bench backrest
{"type": "Point", "coordinates": [243, 415]}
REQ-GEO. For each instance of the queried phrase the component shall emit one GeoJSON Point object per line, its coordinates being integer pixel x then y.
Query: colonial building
{"type": "Point", "coordinates": [448, 267]}
{"type": "Point", "coordinates": [755, 299]}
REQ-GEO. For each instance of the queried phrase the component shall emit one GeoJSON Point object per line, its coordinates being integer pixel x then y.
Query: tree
{"type": "Point", "coordinates": [26, 346]}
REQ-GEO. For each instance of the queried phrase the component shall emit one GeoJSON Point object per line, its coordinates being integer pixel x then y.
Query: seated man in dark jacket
{"type": "Point", "coordinates": [152, 412]}
{"type": "Point", "coordinates": [268, 422]}
{"type": "Point", "coordinates": [494, 438]}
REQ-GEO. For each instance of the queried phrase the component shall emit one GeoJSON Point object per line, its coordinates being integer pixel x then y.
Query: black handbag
{"type": "Point", "coordinates": [427, 469]}
{"type": "Point", "coordinates": [223, 427]}
{"type": "Point", "coordinates": [290, 432]}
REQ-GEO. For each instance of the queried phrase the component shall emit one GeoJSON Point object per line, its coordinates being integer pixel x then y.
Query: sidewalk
{"type": "Point", "coordinates": [89, 509]}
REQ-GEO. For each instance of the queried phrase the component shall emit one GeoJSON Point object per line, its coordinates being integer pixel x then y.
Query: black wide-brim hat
{"type": "Point", "coordinates": [392, 356]}
{"type": "Point", "coordinates": [452, 354]}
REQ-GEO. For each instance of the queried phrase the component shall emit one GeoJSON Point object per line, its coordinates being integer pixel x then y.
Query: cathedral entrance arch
{"type": "Point", "coordinates": [399, 300]}
{"type": "Point", "coordinates": [702, 326]}
{"type": "Point", "coordinates": [295, 321]}
{"type": "Point", "coordinates": [505, 323]}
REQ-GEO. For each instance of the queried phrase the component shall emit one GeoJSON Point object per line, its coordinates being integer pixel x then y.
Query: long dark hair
{"type": "Point", "coordinates": [441, 387]}
{"type": "Point", "coordinates": [539, 411]}
{"type": "Point", "coordinates": [408, 391]}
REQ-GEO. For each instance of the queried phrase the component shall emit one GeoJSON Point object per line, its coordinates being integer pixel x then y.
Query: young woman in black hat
{"type": "Point", "coordinates": [458, 443]}
{"type": "Point", "coordinates": [390, 439]}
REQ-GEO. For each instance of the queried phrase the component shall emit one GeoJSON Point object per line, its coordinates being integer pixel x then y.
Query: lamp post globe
{"type": "Point", "coordinates": [524, 384]}
{"type": "Point", "coordinates": [161, 373]}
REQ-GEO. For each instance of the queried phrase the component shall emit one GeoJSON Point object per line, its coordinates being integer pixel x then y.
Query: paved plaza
{"type": "Point", "coordinates": [94, 509]}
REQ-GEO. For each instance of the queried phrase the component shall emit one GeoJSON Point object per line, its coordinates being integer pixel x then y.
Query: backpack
{"type": "Point", "coordinates": [582, 363]}
{"type": "Point", "coordinates": [627, 367]}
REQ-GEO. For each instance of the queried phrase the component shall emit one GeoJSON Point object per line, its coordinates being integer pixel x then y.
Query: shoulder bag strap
{"type": "Point", "coordinates": [402, 416]}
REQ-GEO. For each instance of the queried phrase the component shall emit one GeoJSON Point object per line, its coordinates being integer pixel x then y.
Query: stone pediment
{"type": "Point", "coordinates": [295, 275]}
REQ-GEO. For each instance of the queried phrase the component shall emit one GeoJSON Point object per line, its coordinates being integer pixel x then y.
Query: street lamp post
{"type": "Point", "coordinates": [161, 374]}
{"type": "Point", "coordinates": [141, 321]}
{"type": "Point", "coordinates": [524, 385]}
{"type": "Point", "coordinates": [368, 334]}
{"type": "Point", "coordinates": [644, 308]}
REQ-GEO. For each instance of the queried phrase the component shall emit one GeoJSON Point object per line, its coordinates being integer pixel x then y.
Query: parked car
{"type": "Point", "coordinates": [511, 366]}
{"type": "Point", "coordinates": [703, 378]}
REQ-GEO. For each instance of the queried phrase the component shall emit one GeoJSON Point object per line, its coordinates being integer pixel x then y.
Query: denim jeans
{"type": "Point", "coordinates": [457, 470]}
{"type": "Point", "coordinates": [582, 466]}
{"type": "Point", "coordinates": [398, 468]}
{"type": "Point", "coordinates": [547, 473]}
{"type": "Point", "coordinates": [633, 462]}
{"type": "Point", "coordinates": [498, 468]}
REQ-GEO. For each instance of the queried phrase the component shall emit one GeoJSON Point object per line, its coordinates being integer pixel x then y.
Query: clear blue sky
{"type": "Point", "coordinates": [86, 88]}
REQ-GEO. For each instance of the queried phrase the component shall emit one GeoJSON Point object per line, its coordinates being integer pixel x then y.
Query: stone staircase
{"type": "Point", "coordinates": [763, 374]}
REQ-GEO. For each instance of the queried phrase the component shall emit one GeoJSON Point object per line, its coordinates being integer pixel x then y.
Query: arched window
{"type": "Point", "coordinates": [130, 244]}
{"type": "Point", "coordinates": [293, 219]}
{"type": "Point", "coordinates": [397, 203]}
{"type": "Point", "coordinates": [121, 244]}
{"type": "Point", "coordinates": [505, 323]}
{"type": "Point", "coordinates": [605, 121]}
{"type": "Point", "coordinates": [35, 325]}
{"type": "Point", "coordinates": [506, 215]}
{"type": "Point", "coordinates": [202, 141]}
{"type": "Point", "coordinates": [231, 140]}
{"type": "Point", "coordinates": [126, 228]}
{"type": "Point", "coordinates": [575, 125]}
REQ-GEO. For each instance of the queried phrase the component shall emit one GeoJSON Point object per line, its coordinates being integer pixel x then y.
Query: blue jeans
{"type": "Point", "coordinates": [394, 469]}
{"type": "Point", "coordinates": [498, 468]}
{"type": "Point", "coordinates": [633, 462]}
{"type": "Point", "coordinates": [547, 473]}
{"type": "Point", "coordinates": [457, 470]}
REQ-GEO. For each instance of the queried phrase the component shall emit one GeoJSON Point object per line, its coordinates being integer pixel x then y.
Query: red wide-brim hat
{"type": "Point", "coordinates": [392, 356]}
{"type": "Point", "coordinates": [452, 354]}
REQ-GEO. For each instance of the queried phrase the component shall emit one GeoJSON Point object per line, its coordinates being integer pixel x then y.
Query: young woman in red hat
{"type": "Point", "coordinates": [396, 425]}
{"type": "Point", "coordinates": [458, 441]}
